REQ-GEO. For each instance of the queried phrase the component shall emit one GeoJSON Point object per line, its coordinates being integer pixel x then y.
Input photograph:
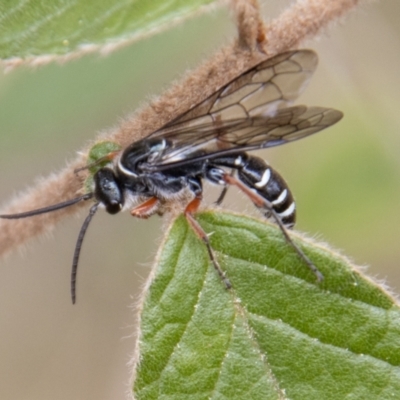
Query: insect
{"type": "Point", "coordinates": [210, 142]}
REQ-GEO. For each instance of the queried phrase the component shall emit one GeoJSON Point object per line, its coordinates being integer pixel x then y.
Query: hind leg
{"type": "Point", "coordinates": [267, 191]}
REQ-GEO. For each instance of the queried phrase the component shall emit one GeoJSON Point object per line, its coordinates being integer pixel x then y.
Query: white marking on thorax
{"type": "Point", "coordinates": [264, 180]}
{"type": "Point", "coordinates": [280, 198]}
{"type": "Point", "coordinates": [288, 211]}
{"type": "Point", "coordinates": [125, 170]}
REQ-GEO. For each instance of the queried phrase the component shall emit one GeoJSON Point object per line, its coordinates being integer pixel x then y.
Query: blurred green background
{"type": "Point", "coordinates": [346, 181]}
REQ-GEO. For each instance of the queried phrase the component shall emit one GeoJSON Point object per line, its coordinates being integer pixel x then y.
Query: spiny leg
{"type": "Point", "coordinates": [261, 202]}
{"type": "Point", "coordinates": [150, 207]}
{"type": "Point", "coordinates": [191, 208]}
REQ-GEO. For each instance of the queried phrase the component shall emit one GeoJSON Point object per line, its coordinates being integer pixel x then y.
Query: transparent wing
{"type": "Point", "coordinates": [250, 112]}
{"type": "Point", "coordinates": [231, 136]}
{"type": "Point", "coordinates": [262, 90]}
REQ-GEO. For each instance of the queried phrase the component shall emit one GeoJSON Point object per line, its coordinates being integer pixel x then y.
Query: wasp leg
{"type": "Point", "coordinates": [191, 208]}
{"type": "Point", "coordinates": [222, 195]}
{"type": "Point", "coordinates": [146, 209]}
{"type": "Point", "coordinates": [108, 157]}
{"type": "Point", "coordinates": [261, 202]}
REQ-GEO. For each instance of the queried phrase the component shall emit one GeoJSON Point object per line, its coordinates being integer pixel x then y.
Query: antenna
{"type": "Point", "coordinates": [47, 209]}
{"type": "Point", "coordinates": [78, 247]}
{"type": "Point", "coordinates": [82, 232]}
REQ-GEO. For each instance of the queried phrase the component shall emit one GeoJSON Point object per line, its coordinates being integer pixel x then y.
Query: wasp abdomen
{"type": "Point", "coordinates": [257, 174]}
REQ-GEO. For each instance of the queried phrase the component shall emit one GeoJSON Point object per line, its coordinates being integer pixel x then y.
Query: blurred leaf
{"type": "Point", "coordinates": [275, 334]}
{"type": "Point", "coordinates": [97, 159]}
{"type": "Point", "coordinates": [59, 27]}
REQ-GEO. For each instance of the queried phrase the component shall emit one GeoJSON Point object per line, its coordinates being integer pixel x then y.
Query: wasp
{"type": "Point", "coordinates": [210, 142]}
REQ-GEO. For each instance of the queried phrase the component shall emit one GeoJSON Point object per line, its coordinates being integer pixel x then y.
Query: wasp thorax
{"type": "Point", "coordinates": [107, 190]}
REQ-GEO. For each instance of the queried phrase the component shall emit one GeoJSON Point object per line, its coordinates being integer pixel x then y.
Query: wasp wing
{"type": "Point", "coordinates": [261, 90]}
{"type": "Point", "coordinates": [235, 135]}
{"type": "Point", "coordinates": [250, 112]}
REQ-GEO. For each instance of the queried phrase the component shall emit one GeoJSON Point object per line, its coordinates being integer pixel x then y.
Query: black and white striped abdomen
{"type": "Point", "coordinates": [257, 174]}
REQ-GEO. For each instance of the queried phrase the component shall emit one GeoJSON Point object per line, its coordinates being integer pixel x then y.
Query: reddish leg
{"type": "Point", "coordinates": [146, 209]}
{"type": "Point", "coordinates": [259, 201]}
{"type": "Point", "coordinates": [191, 208]}
{"type": "Point", "coordinates": [254, 197]}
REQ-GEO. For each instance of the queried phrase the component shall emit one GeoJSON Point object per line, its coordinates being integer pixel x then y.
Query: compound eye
{"type": "Point", "coordinates": [107, 190]}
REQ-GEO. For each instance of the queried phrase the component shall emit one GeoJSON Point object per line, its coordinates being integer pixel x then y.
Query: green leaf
{"type": "Point", "coordinates": [32, 28]}
{"type": "Point", "coordinates": [97, 159]}
{"type": "Point", "coordinates": [276, 334]}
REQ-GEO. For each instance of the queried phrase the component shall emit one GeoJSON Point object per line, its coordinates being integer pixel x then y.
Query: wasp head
{"type": "Point", "coordinates": [108, 191]}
